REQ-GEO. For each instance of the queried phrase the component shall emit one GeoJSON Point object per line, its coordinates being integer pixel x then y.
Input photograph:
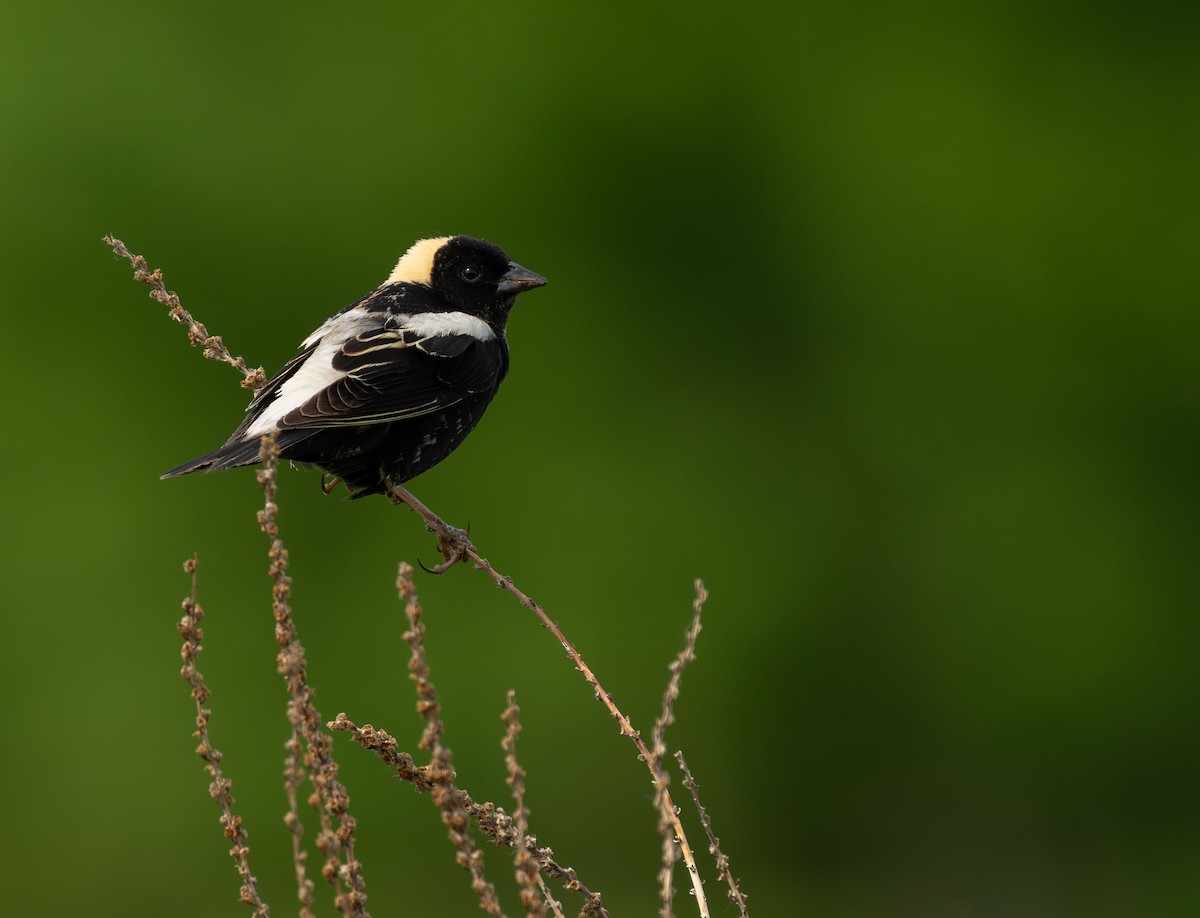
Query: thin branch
{"type": "Point", "coordinates": [658, 750]}
{"type": "Point", "coordinates": [340, 866]}
{"type": "Point", "coordinates": [714, 843]}
{"type": "Point", "coordinates": [293, 779]}
{"type": "Point", "coordinates": [526, 867]}
{"type": "Point", "coordinates": [551, 903]}
{"type": "Point", "coordinates": [456, 547]}
{"type": "Point", "coordinates": [214, 347]}
{"type": "Point", "coordinates": [220, 788]}
{"type": "Point", "coordinates": [449, 799]}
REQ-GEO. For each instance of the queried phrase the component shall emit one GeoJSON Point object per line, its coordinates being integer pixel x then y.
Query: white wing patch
{"type": "Point", "coordinates": [317, 371]}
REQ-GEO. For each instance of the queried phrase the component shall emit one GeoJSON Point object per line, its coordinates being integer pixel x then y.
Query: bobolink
{"type": "Point", "coordinates": [392, 384]}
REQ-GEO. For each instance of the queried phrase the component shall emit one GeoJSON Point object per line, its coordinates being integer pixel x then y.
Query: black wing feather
{"type": "Point", "coordinates": [267, 393]}
{"type": "Point", "coordinates": [394, 376]}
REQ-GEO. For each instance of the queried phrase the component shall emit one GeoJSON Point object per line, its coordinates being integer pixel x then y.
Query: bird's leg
{"type": "Point", "coordinates": [453, 542]}
{"type": "Point", "coordinates": [328, 485]}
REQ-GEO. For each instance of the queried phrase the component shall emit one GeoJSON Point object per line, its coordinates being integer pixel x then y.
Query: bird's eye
{"type": "Point", "coordinates": [471, 274]}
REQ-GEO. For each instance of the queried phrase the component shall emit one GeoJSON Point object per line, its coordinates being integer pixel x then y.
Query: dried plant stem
{"type": "Point", "coordinates": [193, 635]}
{"type": "Point", "coordinates": [526, 867]}
{"type": "Point", "coordinates": [492, 821]}
{"type": "Point", "coordinates": [293, 779]}
{"type": "Point", "coordinates": [456, 547]}
{"type": "Point", "coordinates": [214, 347]}
{"type": "Point", "coordinates": [440, 772]}
{"type": "Point", "coordinates": [341, 866]}
{"type": "Point", "coordinates": [551, 903]}
{"type": "Point", "coordinates": [658, 750]}
{"type": "Point", "coordinates": [714, 843]}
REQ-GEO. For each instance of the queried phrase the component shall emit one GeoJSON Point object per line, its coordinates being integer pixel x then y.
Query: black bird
{"type": "Point", "coordinates": [392, 384]}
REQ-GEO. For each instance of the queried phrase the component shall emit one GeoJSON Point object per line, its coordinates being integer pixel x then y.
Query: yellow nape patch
{"type": "Point", "coordinates": [416, 265]}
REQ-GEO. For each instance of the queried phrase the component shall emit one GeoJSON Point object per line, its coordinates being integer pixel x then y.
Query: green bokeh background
{"type": "Point", "coordinates": [882, 321]}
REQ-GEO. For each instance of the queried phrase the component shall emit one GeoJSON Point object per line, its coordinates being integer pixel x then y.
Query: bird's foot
{"type": "Point", "coordinates": [453, 543]}
{"type": "Point", "coordinates": [328, 484]}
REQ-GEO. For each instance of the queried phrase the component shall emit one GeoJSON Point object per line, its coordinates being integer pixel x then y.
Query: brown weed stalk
{"type": "Point", "coordinates": [440, 771]}
{"type": "Point", "coordinates": [658, 749]}
{"type": "Point", "coordinates": [526, 867]}
{"type": "Point", "coordinates": [214, 347]}
{"type": "Point", "coordinates": [221, 787]}
{"type": "Point", "coordinates": [714, 844]}
{"type": "Point", "coordinates": [341, 866]}
{"type": "Point", "coordinates": [456, 547]}
{"type": "Point", "coordinates": [293, 780]}
{"type": "Point", "coordinates": [492, 821]}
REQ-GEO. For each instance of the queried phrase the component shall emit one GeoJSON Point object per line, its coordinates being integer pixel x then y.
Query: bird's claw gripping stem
{"type": "Point", "coordinates": [454, 545]}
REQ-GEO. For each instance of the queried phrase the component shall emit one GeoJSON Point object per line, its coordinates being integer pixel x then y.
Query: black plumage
{"type": "Point", "coordinates": [391, 385]}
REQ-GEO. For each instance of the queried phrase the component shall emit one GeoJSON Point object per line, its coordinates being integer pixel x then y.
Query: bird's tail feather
{"type": "Point", "coordinates": [229, 456]}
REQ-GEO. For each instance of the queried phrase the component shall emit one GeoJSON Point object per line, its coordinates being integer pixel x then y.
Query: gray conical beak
{"type": "Point", "coordinates": [516, 279]}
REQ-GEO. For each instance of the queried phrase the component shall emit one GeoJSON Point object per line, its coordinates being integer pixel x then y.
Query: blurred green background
{"type": "Point", "coordinates": [882, 321]}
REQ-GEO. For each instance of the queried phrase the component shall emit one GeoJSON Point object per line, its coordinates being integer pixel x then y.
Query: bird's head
{"type": "Point", "coordinates": [472, 275]}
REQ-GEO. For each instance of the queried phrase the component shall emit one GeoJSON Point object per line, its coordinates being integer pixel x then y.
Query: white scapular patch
{"type": "Point", "coordinates": [317, 371]}
{"type": "Point", "coordinates": [429, 324]}
{"type": "Point", "coordinates": [416, 265]}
